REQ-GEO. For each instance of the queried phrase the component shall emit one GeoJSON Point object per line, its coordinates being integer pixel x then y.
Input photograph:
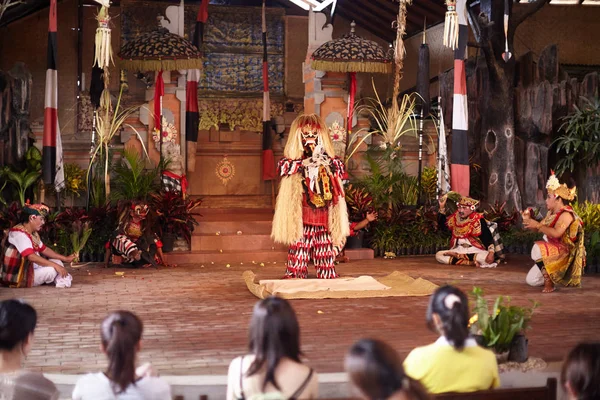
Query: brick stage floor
{"type": "Point", "coordinates": [196, 317]}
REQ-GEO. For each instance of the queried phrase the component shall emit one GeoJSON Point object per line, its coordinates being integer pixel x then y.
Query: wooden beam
{"type": "Point", "coordinates": [375, 29]}
{"type": "Point", "coordinates": [372, 14]}
{"type": "Point", "coordinates": [431, 16]}
{"type": "Point", "coordinates": [430, 5]}
{"type": "Point", "coordinates": [387, 5]}
{"type": "Point", "coordinates": [393, 8]}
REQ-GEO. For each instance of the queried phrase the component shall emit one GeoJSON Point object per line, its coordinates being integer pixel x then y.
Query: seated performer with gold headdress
{"type": "Point", "coordinates": [560, 257]}
{"type": "Point", "coordinates": [472, 242]}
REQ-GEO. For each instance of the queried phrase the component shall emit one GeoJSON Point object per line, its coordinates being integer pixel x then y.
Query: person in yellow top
{"type": "Point", "coordinates": [454, 362]}
{"type": "Point", "coordinates": [560, 257]}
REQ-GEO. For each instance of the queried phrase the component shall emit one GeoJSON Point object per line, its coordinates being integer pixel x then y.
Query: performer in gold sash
{"type": "Point", "coordinates": [560, 257]}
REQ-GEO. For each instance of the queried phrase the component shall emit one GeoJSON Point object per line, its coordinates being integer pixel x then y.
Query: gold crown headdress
{"type": "Point", "coordinates": [561, 190]}
{"type": "Point", "coordinates": [468, 202]}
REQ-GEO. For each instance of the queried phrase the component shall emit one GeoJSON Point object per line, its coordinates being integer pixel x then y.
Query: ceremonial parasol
{"type": "Point", "coordinates": [159, 50]}
{"type": "Point", "coordinates": [351, 54]}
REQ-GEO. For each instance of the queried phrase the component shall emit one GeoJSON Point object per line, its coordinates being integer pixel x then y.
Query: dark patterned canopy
{"type": "Point", "coordinates": [160, 50]}
{"type": "Point", "coordinates": [351, 53]}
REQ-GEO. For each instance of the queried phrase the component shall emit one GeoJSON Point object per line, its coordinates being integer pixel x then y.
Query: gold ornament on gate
{"type": "Point", "coordinates": [225, 170]}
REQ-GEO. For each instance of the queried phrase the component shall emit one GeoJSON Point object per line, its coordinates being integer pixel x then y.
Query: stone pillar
{"type": "Point", "coordinates": [173, 115]}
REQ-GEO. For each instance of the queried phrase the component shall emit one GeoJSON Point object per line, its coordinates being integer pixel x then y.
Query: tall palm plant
{"type": "Point", "coordinates": [132, 181]}
{"type": "Point", "coordinates": [390, 123]}
{"type": "Point", "coordinates": [109, 123]}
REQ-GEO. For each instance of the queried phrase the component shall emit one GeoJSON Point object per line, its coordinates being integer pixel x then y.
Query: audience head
{"type": "Point", "coordinates": [375, 369]}
{"type": "Point", "coordinates": [448, 314]}
{"type": "Point", "coordinates": [121, 332]}
{"type": "Point", "coordinates": [274, 334]}
{"type": "Point", "coordinates": [17, 323]}
{"type": "Point", "coordinates": [581, 372]}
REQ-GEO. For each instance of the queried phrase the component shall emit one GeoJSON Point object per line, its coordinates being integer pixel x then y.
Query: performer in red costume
{"type": "Point", "coordinates": [134, 241]}
{"type": "Point", "coordinates": [310, 214]}
{"type": "Point", "coordinates": [472, 242]}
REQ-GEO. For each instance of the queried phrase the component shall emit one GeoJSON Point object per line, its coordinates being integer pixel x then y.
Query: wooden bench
{"type": "Point", "coordinates": [548, 392]}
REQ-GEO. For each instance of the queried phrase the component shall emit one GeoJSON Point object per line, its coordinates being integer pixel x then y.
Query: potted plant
{"type": "Point", "coordinates": [175, 216]}
{"type": "Point", "coordinates": [499, 329]}
{"type": "Point", "coordinates": [132, 181]}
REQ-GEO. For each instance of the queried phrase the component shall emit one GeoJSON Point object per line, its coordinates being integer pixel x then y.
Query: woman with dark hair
{"type": "Point", "coordinates": [121, 334]}
{"type": "Point", "coordinates": [273, 369]}
{"type": "Point", "coordinates": [375, 369]}
{"type": "Point", "coordinates": [580, 374]}
{"type": "Point", "coordinates": [17, 323]}
{"type": "Point", "coordinates": [454, 363]}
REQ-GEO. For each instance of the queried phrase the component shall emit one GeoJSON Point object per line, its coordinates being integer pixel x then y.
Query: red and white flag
{"type": "Point", "coordinates": [192, 116]}
{"type": "Point", "coordinates": [52, 153]}
{"type": "Point", "coordinates": [459, 169]}
{"type": "Point", "coordinates": [268, 159]}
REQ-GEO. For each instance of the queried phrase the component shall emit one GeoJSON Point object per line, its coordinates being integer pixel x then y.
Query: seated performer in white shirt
{"type": "Point", "coordinates": [26, 261]}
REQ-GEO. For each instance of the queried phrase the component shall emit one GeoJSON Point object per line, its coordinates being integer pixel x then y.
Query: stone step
{"type": "Point", "coordinates": [247, 257]}
{"type": "Point", "coordinates": [236, 201]}
{"type": "Point", "coordinates": [241, 242]}
{"type": "Point", "coordinates": [234, 214]}
{"type": "Point", "coordinates": [228, 257]}
{"type": "Point", "coordinates": [360, 254]}
{"type": "Point", "coordinates": [232, 227]}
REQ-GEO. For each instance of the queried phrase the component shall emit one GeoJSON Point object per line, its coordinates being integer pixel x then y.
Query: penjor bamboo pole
{"type": "Point", "coordinates": [399, 50]}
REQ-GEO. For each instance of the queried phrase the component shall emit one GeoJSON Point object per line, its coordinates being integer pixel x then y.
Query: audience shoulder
{"type": "Point", "coordinates": [235, 366]}
{"type": "Point", "coordinates": [158, 388]}
{"type": "Point", "coordinates": [42, 385]}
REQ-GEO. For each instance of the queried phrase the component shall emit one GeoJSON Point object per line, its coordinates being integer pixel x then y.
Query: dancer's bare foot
{"type": "Point", "coordinates": [548, 287]}
{"type": "Point", "coordinates": [548, 284]}
{"type": "Point", "coordinates": [137, 255]}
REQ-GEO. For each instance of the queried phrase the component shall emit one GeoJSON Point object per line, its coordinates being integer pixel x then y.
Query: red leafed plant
{"type": "Point", "coordinates": [359, 203]}
{"type": "Point", "coordinates": [174, 214]}
{"type": "Point", "coordinates": [499, 214]}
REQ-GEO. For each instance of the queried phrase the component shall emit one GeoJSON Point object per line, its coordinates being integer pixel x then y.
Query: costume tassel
{"type": "Point", "coordinates": [451, 25]}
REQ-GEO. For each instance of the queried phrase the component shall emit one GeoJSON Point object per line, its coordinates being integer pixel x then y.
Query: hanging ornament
{"type": "Point", "coordinates": [225, 170]}
{"type": "Point", "coordinates": [451, 25]}
{"type": "Point", "coordinates": [507, 54]}
{"type": "Point", "coordinates": [103, 54]}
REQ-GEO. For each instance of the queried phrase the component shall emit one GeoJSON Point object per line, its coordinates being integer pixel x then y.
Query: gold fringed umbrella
{"type": "Point", "coordinates": [160, 50]}
{"type": "Point", "coordinates": [351, 54]}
